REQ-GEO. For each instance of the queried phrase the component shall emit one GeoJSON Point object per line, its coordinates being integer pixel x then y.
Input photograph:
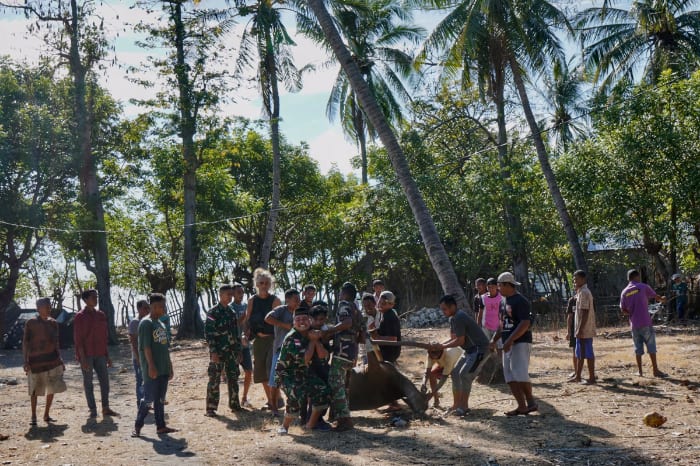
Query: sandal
{"type": "Point", "coordinates": [49, 419]}
{"type": "Point", "coordinates": [33, 422]}
{"type": "Point", "coordinates": [136, 433]}
{"type": "Point", "coordinates": [531, 409]}
{"type": "Point", "coordinates": [515, 412]}
{"type": "Point", "coordinates": [166, 430]}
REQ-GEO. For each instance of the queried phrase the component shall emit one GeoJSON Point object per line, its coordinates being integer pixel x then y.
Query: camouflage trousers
{"type": "Point", "coordinates": [337, 377]}
{"type": "Point", "coordinates": [318, 391]}
{"type": "Point", "coordinates": [295, 390]}
{"type": "Point", "coordinates": [229, 366]}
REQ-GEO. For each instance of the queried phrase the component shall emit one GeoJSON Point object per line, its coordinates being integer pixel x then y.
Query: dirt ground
{"type": "Point", "coordinates": [599, 424]}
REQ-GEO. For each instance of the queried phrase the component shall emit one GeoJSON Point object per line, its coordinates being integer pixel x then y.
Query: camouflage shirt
{"type": "Point", "coordinates": [291, 366]}
{"type": "Point", "coordinates": [345, 343]}
{"type": "Point", "coordinates": [222, 332]}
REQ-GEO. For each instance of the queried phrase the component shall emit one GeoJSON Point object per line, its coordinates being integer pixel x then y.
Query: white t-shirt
{"type": "Point", "coordinates": [447, 361]}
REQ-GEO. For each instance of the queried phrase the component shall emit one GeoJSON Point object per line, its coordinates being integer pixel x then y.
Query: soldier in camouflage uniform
{"type": "Point", "coordinates": [347, 334]}
{"type": "Point", "coordinates": [292, 366]}
{"type": "Point", "coordinates": [224, 339]}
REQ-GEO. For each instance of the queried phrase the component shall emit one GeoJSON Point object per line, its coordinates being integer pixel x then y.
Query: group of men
{"type": "Point", "coordinates": [312, 358]}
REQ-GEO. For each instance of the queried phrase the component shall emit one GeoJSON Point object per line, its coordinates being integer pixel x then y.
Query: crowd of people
{"type": "Point", "coordinates": [292, 348]}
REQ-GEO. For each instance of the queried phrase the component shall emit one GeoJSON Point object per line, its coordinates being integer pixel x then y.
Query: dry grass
{"type": "Point", "coordinates": [599, 424]}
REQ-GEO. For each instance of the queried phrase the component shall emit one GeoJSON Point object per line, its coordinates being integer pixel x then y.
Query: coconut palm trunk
{"type": "Point", "coordinates": [559, 204]}
{"type": "Point", "coordinates": [431, 240]}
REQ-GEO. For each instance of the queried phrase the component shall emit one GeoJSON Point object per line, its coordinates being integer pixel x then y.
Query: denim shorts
{"type": "Point", "coordinates": [644, 336]}
{"type": "Point", "coordinates": [275, 358]}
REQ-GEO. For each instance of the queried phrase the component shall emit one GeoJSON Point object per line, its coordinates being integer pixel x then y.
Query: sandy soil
{"type": "Point", "coordinates": [599, 424]}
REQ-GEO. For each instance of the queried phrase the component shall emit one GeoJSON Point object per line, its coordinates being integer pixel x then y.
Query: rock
{"type": "Point", "coordinates": [654, 419]}
{"type": "Point", "coordinates": [426, 317]}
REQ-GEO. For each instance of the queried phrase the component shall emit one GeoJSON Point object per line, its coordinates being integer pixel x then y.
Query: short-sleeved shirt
{"type": "Point", "coordinates": [478, 303]}
{"type": "Point", "coordinates": [447, 361]}
{"type": "Point", "coordinates": [41, 344]}
{"type": "Point", "coordinates": [154, 335]}
{"type": "Point", "coordinates": [345, 343]}
{"type": "Point", "coordinates": [635, 299]}
{"type": "Point", "coordinates": [491, 306]}
{"type": "Point", "coordinates": [584, 300]}
{"type": "Point", "coordinates": [462, 325]}
{"type": "Point", "coordinates": [515, 309]}
{"type": "Point", "coordinates": [390, 327]}
{"type": "Point", "coordinates": [90, 333]}
{"type": "Point", "coordinates": [282, 314]}
{"type": "Point", "coordinates": [134, 326]}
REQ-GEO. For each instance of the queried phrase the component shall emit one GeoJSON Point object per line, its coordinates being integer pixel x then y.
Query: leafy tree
{"type": "Point", "coordinates": [193, 83]}
{"type": "Point", "coordinates": [75, 32]}
{"type": "Point", "coordinates": [648, 37]}
{"type": "Point", "coordinates": [36, 162]}
{"type": "Point", "coordinates": [638, 179]}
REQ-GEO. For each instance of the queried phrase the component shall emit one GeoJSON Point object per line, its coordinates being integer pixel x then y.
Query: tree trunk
{"type": "Point", "coordinates": [359, 123]}
{"type": "Point", "coordinates": [559, 204]}
{"type": "Point", "coordinates": [431, 240]}
{"type": "Point", "coordinates": [515, 236]}
{"type": "Point", "coordinates": [191, 322]}
{"type": "Point", "coordinates": [88, 177]}
{"type": "Point", "coordinates": [271, 66]}
{"type": "Point", "coordinates": [7, 294]}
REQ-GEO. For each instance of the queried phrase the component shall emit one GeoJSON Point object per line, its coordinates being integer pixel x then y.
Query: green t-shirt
{"type": "Point", "coordinates": [154, 335]}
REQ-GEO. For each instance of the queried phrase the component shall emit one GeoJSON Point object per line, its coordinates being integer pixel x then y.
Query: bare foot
{"type": "Point", "coordinates": [658, 373]}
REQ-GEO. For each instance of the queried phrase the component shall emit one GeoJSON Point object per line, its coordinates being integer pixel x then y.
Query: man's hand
{"type": "Point", "coordinates": [492, 346]}
{"type": "Point", "coordinates": [152, 373]}
{"type": "Point", "coordinates": [109, 362]}
{"type": "Point", "coordinates": [568, 336]}
{"type": "Point", "coordinates": [214, 357]}
{"type": "Point", "coordinates": [26, 367]}
{"type": "Point", "coordinates": [507, 346]}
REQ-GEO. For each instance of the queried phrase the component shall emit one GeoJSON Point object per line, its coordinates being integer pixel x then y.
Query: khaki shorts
{"type": "Point", "coordinates": [47, 382]}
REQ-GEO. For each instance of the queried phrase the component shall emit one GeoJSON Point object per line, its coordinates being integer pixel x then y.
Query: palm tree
{"type": "Point", "coordinates": [501, 37]}
{"type": "Point", "coordinates": [266, 45]}
{"type": "Point", "coordinates": [431, 240]}
{"type": "Point", "coordinates": [564, 95]}
{"type": "Point", "coordinates": [657, 34]}
{"type": "Point", "coordinates": [371, 30]}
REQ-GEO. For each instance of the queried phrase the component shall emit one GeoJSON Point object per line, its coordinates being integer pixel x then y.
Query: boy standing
{"type": "Point", "coordinates": [157, 368]}
{"type": "Point", "coordinates": [246, 358]}
{"type": "Point", "coordinates": [143, 309]}
{"type": "Point", "coordinates": [584, 328]}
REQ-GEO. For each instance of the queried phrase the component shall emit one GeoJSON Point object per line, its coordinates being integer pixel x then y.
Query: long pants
{"type": "Point", "coordinates": [154, 391]}
{"type": "Point", "coordinates": [99, 365]}
{"type": "Point", "coordinates": [340, 403]}
{"type": "Point", "coordinates": [228, 364]}
{"type": "Point", "coordinates": [139, 380]}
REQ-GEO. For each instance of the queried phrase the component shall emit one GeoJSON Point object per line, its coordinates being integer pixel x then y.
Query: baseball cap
{"type": "Point", "coordinates": [507, 277]}
{"type": "Point", "coordinates": [675, 275]}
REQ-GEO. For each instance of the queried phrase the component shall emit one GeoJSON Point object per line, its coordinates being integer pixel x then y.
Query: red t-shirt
{"type": "Point", "coordinates": [90, 333]}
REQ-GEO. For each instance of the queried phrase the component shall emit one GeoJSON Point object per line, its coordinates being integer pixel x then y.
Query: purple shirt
{"type": "Point", "coordinates": [635, 299]}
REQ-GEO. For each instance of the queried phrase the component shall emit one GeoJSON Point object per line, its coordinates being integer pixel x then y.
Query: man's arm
{"type": "Point", "coordinates": [519, 331]}
{"type": "Point", "coordinates": [26, 337]}
{"type": "Point", "coordinates": [148, 353]}
{"type": "Point", "coordinates": [271, 318]}
{"type": "Point", "coordinates": [134, 341]}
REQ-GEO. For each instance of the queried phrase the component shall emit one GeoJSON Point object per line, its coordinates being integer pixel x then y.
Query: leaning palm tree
{"type": "Point", "coordinates": [266, 45]}
{"type": "Point", "coordinates": [650, 36]}
{"type": "Point", "coordinates": [521, 33]}
{"type": "Point", "coordinates": [431, 239]}
{"type": "Point", "coordinates": [372, 31]}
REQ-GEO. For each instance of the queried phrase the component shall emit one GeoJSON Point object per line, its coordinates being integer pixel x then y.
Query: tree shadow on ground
{"type": "Point", "coordinates": [46, 434]}
{"type": "Point", "coordinates": [243, 420]}
{"type": "Point", "coordinates": [102, 428]}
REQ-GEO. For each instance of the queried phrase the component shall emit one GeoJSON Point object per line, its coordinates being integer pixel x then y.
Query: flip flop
{"type": "Point", "coordinates": [136, 433]}
{"type": "Point", "coordinates": [531, 409]}
{"type": "Point", "coordinates": [515, 412]}
{"type": "Point", "coordinates": [49, 419]}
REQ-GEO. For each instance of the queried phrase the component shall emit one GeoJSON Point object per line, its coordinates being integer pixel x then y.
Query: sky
{"type": "Point", "coordinates": [303, 113]}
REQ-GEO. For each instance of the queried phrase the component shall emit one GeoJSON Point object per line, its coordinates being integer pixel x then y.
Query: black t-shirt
{"type": "Point", "coordinates": [390, 327]}
{"type": "Point", "coordinates": [478, 304]}
{"type": "Point", "coordinates": [515, 309]}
